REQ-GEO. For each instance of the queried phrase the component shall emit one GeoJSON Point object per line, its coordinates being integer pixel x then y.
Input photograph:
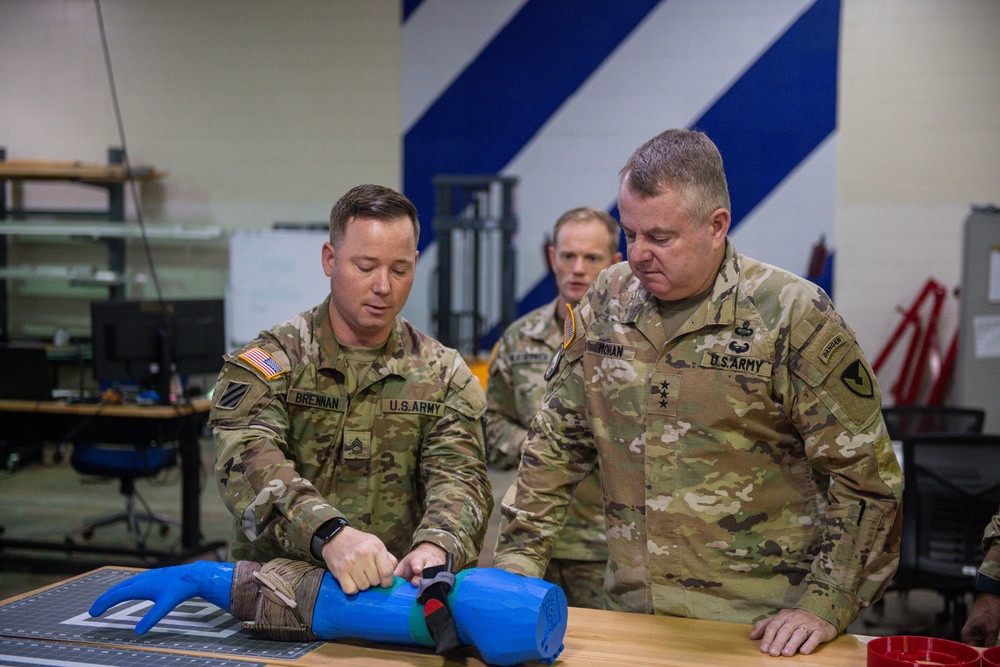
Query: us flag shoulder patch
{"type": "Point", "coordinates": [269, 367]}
{"type": "Point", "coordinates": [232, 395]}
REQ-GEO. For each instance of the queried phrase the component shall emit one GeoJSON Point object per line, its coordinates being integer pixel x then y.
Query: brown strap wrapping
{"type": "Point", "coordinates": [276, 599]}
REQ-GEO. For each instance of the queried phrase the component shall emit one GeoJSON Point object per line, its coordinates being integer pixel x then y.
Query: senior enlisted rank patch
{"type": "Point", "coordinates": [357, 445]}
{"type": "Point", "coordinates": [269, 367]}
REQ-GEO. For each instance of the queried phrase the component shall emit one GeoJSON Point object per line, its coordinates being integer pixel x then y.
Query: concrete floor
{"type": "Point", "coordinates": [46, 500]}
{"type": "Point", "coordinates": [43, 501]}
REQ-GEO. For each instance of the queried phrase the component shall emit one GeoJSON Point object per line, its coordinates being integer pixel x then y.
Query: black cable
{"type": "Point", "coordinates": [125, 155]}
{"type": "Point", "coordinates": [165, 363]}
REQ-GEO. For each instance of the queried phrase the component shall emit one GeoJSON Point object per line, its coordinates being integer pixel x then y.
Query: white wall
{"type": "Point", "coordinates": [259, 111]}
{"type": "Point", "coordinates": [919, 137]}
{"type": "Point", "coordinates": [264, 111]}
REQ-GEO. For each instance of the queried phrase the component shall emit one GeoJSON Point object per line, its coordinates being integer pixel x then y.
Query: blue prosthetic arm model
{"type": "Point", "coordinates": [168, 587]}
{"type": "Point", "coordinates": [509, 618]}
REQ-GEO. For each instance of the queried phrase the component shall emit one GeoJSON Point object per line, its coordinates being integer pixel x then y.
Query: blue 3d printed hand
{"type": "Point", "coordinates": [508, 618]}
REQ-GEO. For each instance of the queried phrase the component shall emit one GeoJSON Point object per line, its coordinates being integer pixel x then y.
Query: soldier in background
{"type": "Point", "coordinates": [983, 624]}
{"type": "Point", "coordinates": [345, 437]}
{"type": "Point", "coordinates": [585, 243]}
{"type": "Point", "coordinates": [748, 475]}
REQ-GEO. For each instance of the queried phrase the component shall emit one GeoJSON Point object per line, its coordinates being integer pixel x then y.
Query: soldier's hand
{"type": "Point", "coordinates": [790, 631]}
{"type": "Point", "coordinates": [983, 623]}
{"type": "Point", "coordinates": [424, 555]}
{"type": "Point", "coordinates": [358, 560]}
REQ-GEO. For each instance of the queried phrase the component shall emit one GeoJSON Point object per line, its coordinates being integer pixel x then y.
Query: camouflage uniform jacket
{"type": "Point", "coordinates": [403, 458]}
{"type": "Point", "coordinates": [513, 395]}
{"type": "Point", "coordinates": [991, 545]}
{"type": "Point", "coordinates": [745, 462]}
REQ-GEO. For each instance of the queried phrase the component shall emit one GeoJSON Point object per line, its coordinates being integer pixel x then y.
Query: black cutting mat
{"type": "Point", "coordinates": [17, 652]}
{"type": "Point", "coordinates": [61, 613]}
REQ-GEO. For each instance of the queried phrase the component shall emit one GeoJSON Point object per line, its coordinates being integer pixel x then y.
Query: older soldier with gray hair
{"type": "Point", "coordinates": [345, 437]}
{"type": "Point", "coordinates": [748, 475]}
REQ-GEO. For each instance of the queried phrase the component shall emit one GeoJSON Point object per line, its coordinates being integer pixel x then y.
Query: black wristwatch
{"type": "Point", "coordinates": [324, 534]}
{"type": "Point", "coordinates": [985, 584]}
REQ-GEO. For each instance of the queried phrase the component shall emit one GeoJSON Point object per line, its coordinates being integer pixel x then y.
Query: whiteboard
{"type": "Point", "coordinates": [273, 276]}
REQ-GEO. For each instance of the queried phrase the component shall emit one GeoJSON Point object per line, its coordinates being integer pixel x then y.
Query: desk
{"type": "Point", "coordinates": [30, 423]}
{"type": "Point", "coordinates": [593, 638]}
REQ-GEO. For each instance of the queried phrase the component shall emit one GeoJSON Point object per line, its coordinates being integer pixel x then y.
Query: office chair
{"type": "Point", "coordinates": [951, 492]}
{"type": "Point", "coordinates": [127, 463]}
{"type": "Point", "coordinates": [903, 421]}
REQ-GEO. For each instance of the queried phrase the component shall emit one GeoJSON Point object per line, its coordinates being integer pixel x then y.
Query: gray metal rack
{"type": "Point", "coordinates": [475, 224]}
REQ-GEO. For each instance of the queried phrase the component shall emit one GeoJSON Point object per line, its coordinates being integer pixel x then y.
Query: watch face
{"type": "Point", "coordinates": [330, 528]}
{"type": "Point", "coordinates": [324, 534]}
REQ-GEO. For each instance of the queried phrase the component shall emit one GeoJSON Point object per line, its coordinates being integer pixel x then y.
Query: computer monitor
{"type": "Point", "coordinates": [147, 341]}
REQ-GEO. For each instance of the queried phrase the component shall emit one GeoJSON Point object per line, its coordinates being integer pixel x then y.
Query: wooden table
{"type": "Point", "coordinates": [600, 638]}
{"type": "Point", "coordinates": [30, 423]}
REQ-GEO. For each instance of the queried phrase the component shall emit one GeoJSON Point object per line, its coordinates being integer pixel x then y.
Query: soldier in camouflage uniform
{"type": "Point", "coordinates": [748, 475]}
{"type": "Point", "coordinates": [585, 243]}
{"type": "Point", "coordinates": [983, 624]}
{"type": "Point", "coordinates": [346, 437]}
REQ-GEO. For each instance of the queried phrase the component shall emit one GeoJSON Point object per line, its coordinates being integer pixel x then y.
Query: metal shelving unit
{"type": "Point", "coordinates": [106, 225]}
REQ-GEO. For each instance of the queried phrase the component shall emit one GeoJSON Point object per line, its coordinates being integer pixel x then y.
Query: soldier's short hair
{"type": "Point", "coordinates": [585, 213]}
{"type": "Point", "coordinates": [375, 202]}
{"type": "Point", "coordinates": [684, 160]}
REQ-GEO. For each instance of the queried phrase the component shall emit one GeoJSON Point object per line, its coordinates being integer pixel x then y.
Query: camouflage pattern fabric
{"type": "Point", "coordinates": [513, 395]}
{"type": "Point", "coordinates": [991, 563]}
{"type": "Point", "coordinates": [581, 580]}
{"type": "Point", "coordinates": [402, 459]}
{"type": "Point", "coordinates": [745, 462]}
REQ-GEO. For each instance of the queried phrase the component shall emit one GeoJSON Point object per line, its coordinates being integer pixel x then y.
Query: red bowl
{"type": "Point", "coordinates": [991, 657]}
{"type": "Point", "coordinates": [910, 651]}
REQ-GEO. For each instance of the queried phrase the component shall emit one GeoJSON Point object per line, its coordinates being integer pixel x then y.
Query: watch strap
{"type": "Point", "coordinates": [324, 534]}
{"type": "Point", "coordinates": [985, 584]}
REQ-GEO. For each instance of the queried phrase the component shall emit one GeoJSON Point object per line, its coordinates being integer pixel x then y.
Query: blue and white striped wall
{"type": "Point", "coordinates": [560, 92]}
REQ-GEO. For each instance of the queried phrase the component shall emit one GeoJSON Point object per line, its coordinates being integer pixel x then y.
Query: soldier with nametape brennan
{"type": "Point", "coordinates": [345, 436]}
{"type": "Point", "coordinates": [748, 475]}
